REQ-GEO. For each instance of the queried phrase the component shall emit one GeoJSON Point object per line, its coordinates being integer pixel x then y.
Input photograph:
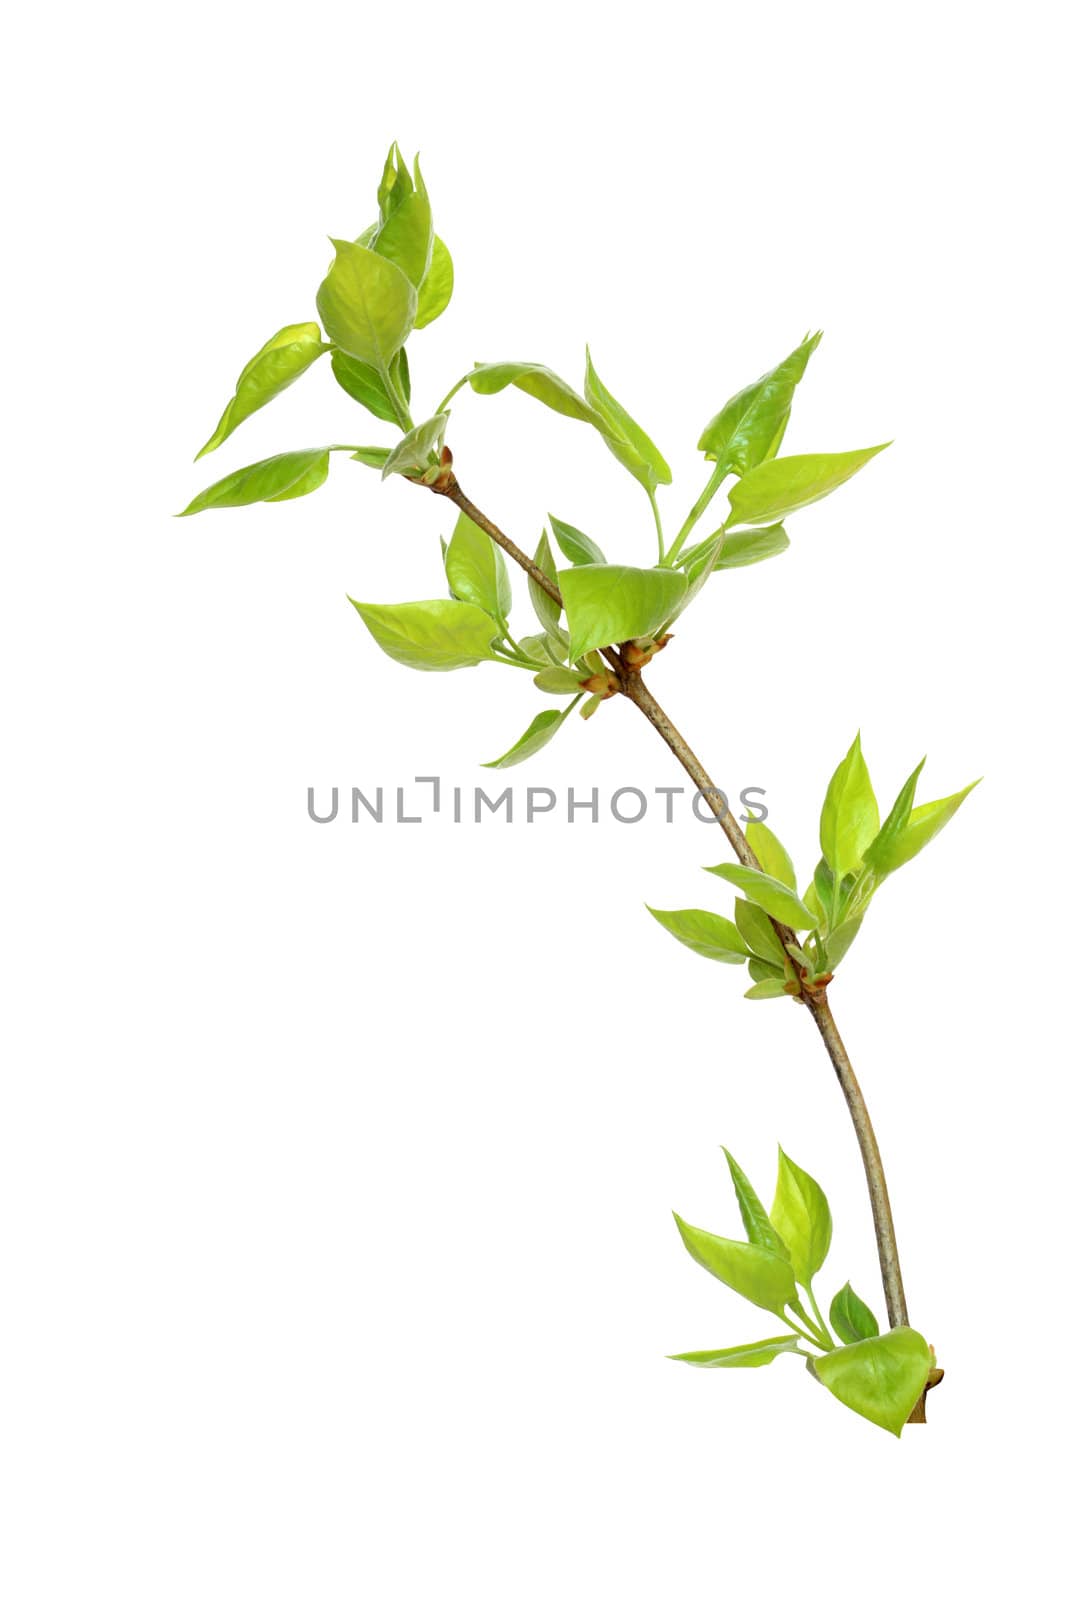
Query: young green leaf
{"type": "Point", "coordinates": [366, 385]}
{"type": "Point", "coordinates": [432, 635]}
{"type": "Point", "coordinates": [705, 933]}
{"type": "Point", "coordinates": [757, 544]}
{"type": "Point", "coordinates": [785, 484]}
{"type": "Point", "coordinates": [537, 735]}
{"type": "Point", "coordinates": [839, 942]}
{"type": "Point", "coordinates": [367, 305]}
{"type": "Point", "coordinates": [755, 928]}
{"type": "Point", "coordinates": [924, 824]}
{"type": "Point", "coordinates": [773, 856]}
{"type": "Point", "coordinates": [395, 185]}
{"type": "Point", "coordinates": [877, 853]}
{"type": "Point", "coordinates": [577, 546]}
{"type": "Point", "coordinates": [548, 613]}
{"type": "Point", "coordinates": [769, 988]}
{"type": "Point", "coordinates": [880, 1378]}
{"type": "Point", "coordinates": [406, 234]}
{"type": "Point", "coordinates": [750, 426]}
{"type": "Point", "coordinates": [759, 1275]}
{"type": "Point", "coordinates": [411, 456]}
{"type": "Point", "coordinates": [533, 379]}
{"type": "Point", "coordinates": [626, 441]}
{"type": "Point", "coordinates": [758, 1354]}
{"type": "Point", "coordinates": [543, 647]}
{"type": "Point", "coordinates": [284, 477]}
{"type": "Point", "coordinates": [757, 1224]}
{"type": "Point", "coordinates": [849, 818]}
{"type": "Point", "coordinates": [610, 604]}
{"type": "Point", "coordinates": [800, 1215]}
{"type": "Point", "coordinates": [371, 455]}
{"type": "Point", "coordinates": [777, 899]}
{"type": "Point", "coordinates": [475, 569]}
{"type": "Point", "coordinates": [281, 361]}
{"type": "Point", "coordinates": [558, 680]}
{"type": "Point", "coordinates": [436, 289]}
{"type": "Point", "coordinates": [850, 1318]}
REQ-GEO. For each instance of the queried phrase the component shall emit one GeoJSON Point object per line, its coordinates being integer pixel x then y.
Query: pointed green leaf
{"type": "Point", "coordinates": [757, 544]}
{"type": "Point", "coordinates": [880, 1378]}
{"type": "Point", "coordinates": [610, 604]}
{"type": "Point", "coordinates": [475, 569]}
{"type": "Point", "coordinates": [758, 1354]}
{"type": "Point", "coordinates": [411, 457]}
{"type": "Point", "coordinates": [800, 1214]}
{"type": "Point", "coordinates": [924, 824]}
{"type": "Point", "coordinates": [543, 647]}
{"type": "Point", "coordinates": [773, 856]}
{"type": "Point", "coordinates": [395, 185]}
{"type": "Point", "coordinates": [365, 384]}
{"type": "Point", "coordinates": [877, 852]}
{"type": "Point", "coordinates": [705, 933]}
{"type": "Point", "coordinates": [548, 613]}
{"type": "Point", "coordinates": [839, 942]}
{"type": "Point", "coordinates": [777, 899]}
{"type": "Point", "coordinates": [755, 928]}
{"type": "Point", "coordinates": [759, 1275]}
{"type": "Point", "coordinates": [284, 477]}
{"type": "Point", "coordinates": [577, 546]}
{"type": "Point", "coordinates": [533, 379]}
{"type": "Point", "coordinates": [436, 289]}
{"type": "Point", "coordinates": [537, 735]}
{"type": "Point", "coordinates": [367, 305]}
{"type": "Point", "coordinates": [406, 234]}
{"type": "Point", "coordinates": [432, 635]}
{"type": "Point", "coordinates": [849, 818]}
{"type": "Point", "coordinates": [626, 441]}
{"type": "Point", "coordinates": [850, 1318]}
{"type": "Point", "coordinates": [757, 1224]}
{"type": "Point", "coordinates": [750, 426]}
{"type": "Point", "coordinates": [281, 361]}
{"type": "Point", "coordinates": [787, 483]}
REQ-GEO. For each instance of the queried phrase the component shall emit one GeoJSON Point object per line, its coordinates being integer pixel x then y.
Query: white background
{"type": "Point", "coordinates": [338, 1162]}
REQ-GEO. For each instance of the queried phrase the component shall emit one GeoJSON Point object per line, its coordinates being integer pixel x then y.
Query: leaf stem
{"type": "Point", "coordinates": [818, 1314]}
{"type": "Point", "coordinates": [706, 496]}
{"type": "Point", "coordinates": [659, 525]}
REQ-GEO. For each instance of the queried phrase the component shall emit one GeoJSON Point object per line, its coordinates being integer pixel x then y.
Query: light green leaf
{"type": "Point", "coordinates": [284, 477]}
{"type": "Point", "coordinates": [476, 571]}
{"type": "Point", "coordinates": [777, 899]}
{"type": "Point", "coordinates": [757, 1224]}
{"type": "Point", "coordinates": [823, 884]}
{"type": "Point", "coordinates": [758, 1354]}
{"type": "Point", "coordinates": [432, 635]}
{"type": "Point", "coordinates": [610, 604]}
{"type": "Point", "coordinates": [626, 441]}
{"type": "Point", "coordinates": [880, 1378]}
{"type": "Point", "coordinates": [924, 824]}
{"type": "Point", "coordinates": [405, 236]}
{"type": "Point", "coordinates": [280, 362]}
{"type": "Point", "coordinates": [750, 426]}
{"type": "Point", "coordinates": [537, 735]}
{"type": "Point", "coordinates": [767, 989]}
{"type": "Point", "coordinates": [367, 305]}
{"type": "Point", "coordinates": [548, 613]}
{"type": "Point", "coordinates": [411, 456]}
{"type": "Point", "coordinates": [759, 969]}
{"type": "Point", "coordinates": [436, 289]}
{"type": "Point", "coordinates": [759, 1275]}
{"type": "Point", "coordinates": [577, 546]}
{"type": "Point", "coordinates": [589, 706]}
{"type": "Point", "coordinates": [877, 852]}
{"type": "Point", "coordinates": [543, 647]}
{"type": "Point", "coordinates": [755, 928]}
{"type": "Point", "coordinates": [783, 485]}
{"type": "Point", "coordinates": [371, 455]}
{"type": "Point", "coordinates": [773, 856]}
{"type": "Point", "coordinates": [850, 1318]}
{"type": "Point", "coordinates": [395, 185]}
{"type": "Point", "coordinates": [800, 1214]}
{"type": "Point", "coordinates": [745, 549]}
{"type": "Point", "coordinates": [839, 942]}
{"type": "Point", "coordinates": [705, 933]}
{"type": "Point", "coordinates": [558, 680]}
{"type": "Point", "coordinates": [535, 380]}
{"type": "Point", "coordinates": [366, 385]}
{"type": "Point", "coordinates": [849, 818]}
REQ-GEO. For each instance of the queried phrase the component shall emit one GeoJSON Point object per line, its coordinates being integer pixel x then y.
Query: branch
{"type": "Point", "coordinates": [635, 689]}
